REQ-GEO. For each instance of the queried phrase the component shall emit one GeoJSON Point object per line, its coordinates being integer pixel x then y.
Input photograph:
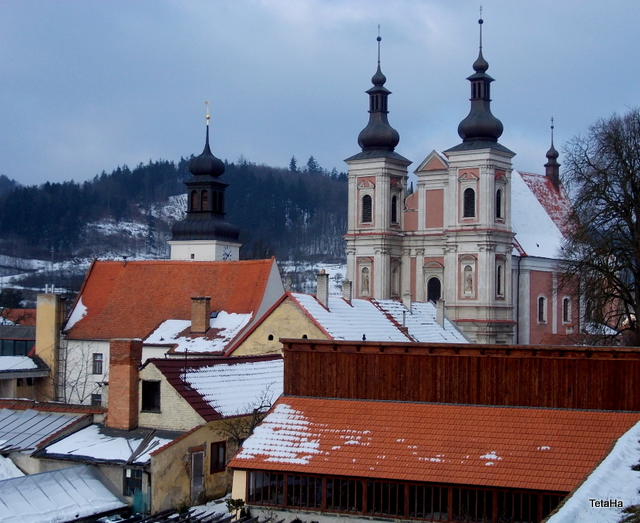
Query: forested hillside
{"type": "Point", "coordinates": [291, 213]}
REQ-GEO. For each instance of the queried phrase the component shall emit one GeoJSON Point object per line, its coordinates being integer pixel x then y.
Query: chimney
{"type": "Point", "coordinates": [200, 314]}
{"type": "Point", "coordinates": [440, 312]}
{"type": "Point", "coordinates": [287, 282]}
{"type": "Point", "coordinates": [322, 289]}
{"type": "Point", "coordinates": [50, 313]}
{"type": "Point", "coordinates": [124, 360]}
{"type": "Point", "coordinates": [406, 300]}
{"type": "Point", "coordinates": [347, 289]}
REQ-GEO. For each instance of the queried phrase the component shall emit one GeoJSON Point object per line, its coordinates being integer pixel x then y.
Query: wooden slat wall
{"type": "Point", "coordinates": [560, 377]}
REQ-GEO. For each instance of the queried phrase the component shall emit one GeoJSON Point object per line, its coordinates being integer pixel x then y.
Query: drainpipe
{"type": "Point", "coordinates": [518, 304]}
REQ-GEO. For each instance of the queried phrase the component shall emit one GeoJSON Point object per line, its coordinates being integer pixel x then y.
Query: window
{"type": "Point", "coordinates": [96, 400]}
{"type": "Point", "coordinates": [395, 282]}
{"type": "Point", "coordinates": [364, 282]}
{"type": "Point", "coordinates": [19, 382]}
{"type": "Point", "coordinates": [194, 200]}
{"type": "Point", "coordinates": [132, 481]}
{"type": "Point", "coordinates": [270, 337]}
{"type": "Point", "coordinates": [218, 456]}
{"type": "Point", "coordinates": [367, 209]}
{"type": "Point", "coordinates": [150, 396]}
{"type": "Point", "coordinates": [542, 309]}
{"type": "Point", "coordinates": [500, 279]}
{"type": "Point", "coordinates": [499, 213]}
{"type": "Point", "coordinates": [469, 203]}
{"type": "Point", "coordinates": [197, 475]}
{"type": "Point", "coordinates": [566, 310]}
{"type": "Point", "coordinates": [394, 209]}
{"type": "Point", "coordinates": [434, 290]}
{"type": "Point", "coordinates": [97, 362]}
{"type": "Point", "coordinates": [205, 201]}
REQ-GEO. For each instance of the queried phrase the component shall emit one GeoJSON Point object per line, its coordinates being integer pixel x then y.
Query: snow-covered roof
{"type": "Point", "coordinates": [58, 496]}
{"type": "Point", "coordinates": [225, 386]}
{"type": "Point", "coordinates": [537, 234]}
{"type": "Point", "coordinates": [101, 444]}
{"type": "Point", "coordinates": [8, 363]}
{"type": "Point", "coordinates": [503, 447]}
{"type": "Point", "coordinates": [25, 429]}
{"type": "Point", "coordinates": [177, 333]}
{"type": "Point", "coordinates": [613, 479]}
{"type": "Point", "coordinates": [8, 469]}
{"type": "Point", "coordinates": [377, 320]}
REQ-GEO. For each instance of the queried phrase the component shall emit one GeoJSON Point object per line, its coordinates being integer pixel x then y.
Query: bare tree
{"type": "Point", "coordinates": [602, 252]}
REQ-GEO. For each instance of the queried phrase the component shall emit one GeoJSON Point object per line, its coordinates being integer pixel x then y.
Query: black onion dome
{"type": "Point", "coordinates": [480, 65]}
{"type": "Point", "coordinates": [552, 154]}
{"type": "Point", "coordinates": [206, 163]}
{"type": "Point", "coordinates": [378, 78]}
{"type": "Point", "coordinates": [204, 227]}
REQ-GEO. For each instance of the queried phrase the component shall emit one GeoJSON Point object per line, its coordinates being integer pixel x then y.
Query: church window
{"type": "Point", "coordinates": [499, 212]}
{"type": "Point", "coordinates": [367, 209]}
{"type": "Point", "coordinates": [542, 309]}
{"type": "Point", "coordinates": [205, 201]}
{"type": "Point", "coordinates": [566, 310]}
{"type": "Point", "coordinates": [394, 209]}
{"type": "Point", "coordinates": [194, 200]}
{"type": "Point", "coordinates": [469, 203]}
{"type": "Point", "coordinates": [364, 281]}
{"type": "Point", "coordinates": [434, 290]}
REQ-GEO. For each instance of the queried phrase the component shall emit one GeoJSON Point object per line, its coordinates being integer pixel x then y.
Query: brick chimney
{"type": "Point", "coordinates": [124, 360]}
{"type": "Point", "coordinates": [347, 290]}
{"type": "Point", "coordinates": [440, 312]}
{"type": "Point", "coordinates": [322, 289]}
{"type": "Point", "coordinates": [406, 300]}
{"type": "Point", "coordinates": [200, 314]}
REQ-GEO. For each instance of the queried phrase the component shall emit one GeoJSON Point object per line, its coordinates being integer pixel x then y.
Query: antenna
{"type": "Point", "coordinates": [480, 21]}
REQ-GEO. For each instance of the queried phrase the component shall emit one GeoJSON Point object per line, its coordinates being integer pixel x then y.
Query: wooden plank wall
{"type": "Point", "coordinates": [559, 377]}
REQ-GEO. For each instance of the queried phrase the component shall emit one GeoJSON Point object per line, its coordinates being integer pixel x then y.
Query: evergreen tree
{"type": "Point", "coordinates": [313, 167]}
{"type": "Point", "coordinates": [293, 165]}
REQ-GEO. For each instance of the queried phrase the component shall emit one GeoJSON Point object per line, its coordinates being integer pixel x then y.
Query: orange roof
{"type": "Point", "coordinates": [20, 316]}
{"type": "Point", "coordinates": [129, 300]}
{"type": "Point", "coordinates": [505, 447]}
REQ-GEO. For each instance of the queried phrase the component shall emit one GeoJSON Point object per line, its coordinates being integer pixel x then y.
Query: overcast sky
{"type": "Point", "coordinates": [87, 86]}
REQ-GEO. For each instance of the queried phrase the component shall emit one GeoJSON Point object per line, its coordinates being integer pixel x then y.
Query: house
{"type": "Point", "coordinates": [325, 317]}
{"type": "Point", "coordinates": [437, 431]}
{"type": "Point", "coordinates": [21, 376]}
{"type": "Point", "coordinates": [476, 233]}
{"type": "Point", "coordinates": [159, 301]}
{"type": "Point", "coordinates": [72, 494]}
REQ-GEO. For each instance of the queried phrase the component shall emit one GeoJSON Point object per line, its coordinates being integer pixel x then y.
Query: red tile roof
{"type": "Point", "coordinates": [504, 447]}
{"type": "Point", "coordinates": [129, 300]}
{"type": "Point", "coordinates": [20, 316]}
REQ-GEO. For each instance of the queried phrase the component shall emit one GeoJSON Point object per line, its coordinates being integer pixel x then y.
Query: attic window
{"type": "Point", "coordinates": [270, 337]}
{"type": "Point", "coordinates": [150, 396]}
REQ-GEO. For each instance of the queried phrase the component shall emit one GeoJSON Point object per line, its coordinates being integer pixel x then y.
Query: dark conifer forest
{"type": "Point", "coordinates": [291, 213]}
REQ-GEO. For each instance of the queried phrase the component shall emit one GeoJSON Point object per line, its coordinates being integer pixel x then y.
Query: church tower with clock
{"type": "Point", "coordinates": [204, 234]}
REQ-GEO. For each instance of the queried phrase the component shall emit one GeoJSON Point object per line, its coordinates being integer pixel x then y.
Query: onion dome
{"type": "Point", "coordinates": [206, 163]}
{"type": "Point", "coordinates": [552, 167]}
{"type": "Point", "coordinates": [480, 124]}
{"type": "Point", "coordinates": [378, 134]}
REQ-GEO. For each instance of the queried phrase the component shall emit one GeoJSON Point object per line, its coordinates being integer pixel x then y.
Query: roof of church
{"type": "Point", "coordinates": [130, 299]}
{"type": "Point", "coordinates": [508, 447]}
{"type": "Point", "coordinates": [221, 387]}
{"type": "Point", "coordinates": [539, 215]}
{"type": "Point", "coordinates": [377, 320]}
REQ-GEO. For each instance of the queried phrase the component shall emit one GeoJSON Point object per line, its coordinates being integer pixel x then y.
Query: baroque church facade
{"type": "Point", "coordinates": [453, 238]}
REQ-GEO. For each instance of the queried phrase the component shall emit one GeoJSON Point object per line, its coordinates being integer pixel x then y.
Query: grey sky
{"type": "Point", "coordinates": [87, 86]}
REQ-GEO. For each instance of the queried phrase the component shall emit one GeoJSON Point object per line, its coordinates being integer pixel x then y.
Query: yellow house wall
{"type": "Point", "coordinates": [285, 321]}
{"type": "Point", "coordinates": [171, 469]}
{"type": "Point", "coordinates": [175, 413]}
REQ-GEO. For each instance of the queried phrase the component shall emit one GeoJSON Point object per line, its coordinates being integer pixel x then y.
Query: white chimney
{"type": "Point", "coordinates": [322, 289]}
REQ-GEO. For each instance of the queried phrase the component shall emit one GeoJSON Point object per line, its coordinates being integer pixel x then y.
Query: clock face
{"type": "Point", "coordinates": [226, 254]}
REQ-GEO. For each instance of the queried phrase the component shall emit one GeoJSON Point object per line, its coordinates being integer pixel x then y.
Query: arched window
{"type": "Point", "coordinates": [394, 209]}
{"type": "Point", "coordinates": [367, 209]}
{"type": "Point", "coordinates": [499, 280]}
{"type": "Point", "coordinates": [542, 309]}
{"type": "Point", "coordinates": [499, 213]}
{"type": "Point", "coordinates": [469, 203]}
{"type": "Point", "coordinates": [566, 310]}
{"type": "Point", "coordinates": [434, 290]}
{"type": "Point", "coordinates": [204, 199]}
{"type": "Point", "coordinates": [194, 200]}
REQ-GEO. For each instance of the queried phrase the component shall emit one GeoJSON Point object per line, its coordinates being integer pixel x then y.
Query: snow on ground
{"type": "Point", "coordinates": [613, 479]}
{"type": "Point", "coordinates": [337, 273]}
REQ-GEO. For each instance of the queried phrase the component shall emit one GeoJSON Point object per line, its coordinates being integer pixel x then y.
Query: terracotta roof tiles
{"type": "Point", "coordinates": [130, 299]}
{"type": "Point", "coordinates": [504, 447]}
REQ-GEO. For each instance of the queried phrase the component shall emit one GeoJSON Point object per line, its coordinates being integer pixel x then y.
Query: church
{"type": "Point", "coordinates": [475, 233]}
